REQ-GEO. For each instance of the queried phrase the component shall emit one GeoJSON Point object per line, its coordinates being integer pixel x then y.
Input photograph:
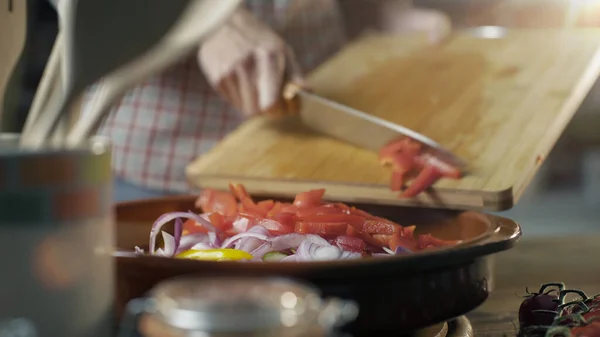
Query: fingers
{"type": "Point", "coordinates": [270, 68]}
{"type": "Point", "coordinates": [227, 87]}
{"type": "Point", "coordinates": [248, 91]}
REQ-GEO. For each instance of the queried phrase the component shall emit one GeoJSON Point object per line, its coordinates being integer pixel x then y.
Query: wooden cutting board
{"type": "Point", "coordinates": [500, 104]}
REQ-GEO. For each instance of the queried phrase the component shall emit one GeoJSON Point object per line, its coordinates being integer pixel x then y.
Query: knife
{"type": "Point", "coordinates": [356, 127]}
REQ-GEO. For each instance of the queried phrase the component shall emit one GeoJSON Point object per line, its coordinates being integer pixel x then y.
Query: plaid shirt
{"type": "Point", "coordinates": [164, 123]}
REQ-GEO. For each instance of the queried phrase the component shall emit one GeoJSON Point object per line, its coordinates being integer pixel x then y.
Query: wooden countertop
{"type": "Point", "coordinates": [532, 262]}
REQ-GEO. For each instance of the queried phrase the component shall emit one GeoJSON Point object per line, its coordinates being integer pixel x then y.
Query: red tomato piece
{"type": "Point", "coordinates": [321, 228]}
{"type": "Point", "coordinates": [409, 231]}
{"type": "Point", "coordinates": [288, 208]}
{"type": "Point", "coordinates": [397, 240]}
{"type": "Point", "coordinates": [397, 181]}
{"type": "Point", "coordinates": [248, 206]}
{"type": "Point", "coordinates": [428, 240]}
{"type": "Point", "coordinates": [310, 198]}
{"type": "Point", "coordinates": [378, 227]}
{"type": "Point", "coordinates": [239, 191]}
{"type": "Point", "coordinates": [320, 210]}
{"type": "Point", "coordinates": [350, 243]}
{"type": "Point", "coordinates": [349, 219]}
{"type": "Point", "coordinates": [286, 219]}
{"type": "Point", "coordinates": [266, 205]}
{"type": "Point", "coordinates": [426, 178]}
{"type": "Point", "coordinates": [217, 201]}
{"type": "Point", "coordinates": [276, 227]}
{"type": "Point", "coordinates": [356, 211]}
{"type": "Point", "coordinates": [220, 221]}
{"type": "Point", "coordinates": [191, 226]}
{"type": "Point", "coordinates": [406, 158]}
{"type": "Point", "coordinates": [275, 210]}
{"type": "Point", "coordinates": [368, 238]}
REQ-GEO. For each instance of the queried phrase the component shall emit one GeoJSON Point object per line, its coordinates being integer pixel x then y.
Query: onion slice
{"type": "Point", "coordinates": [165, 218]}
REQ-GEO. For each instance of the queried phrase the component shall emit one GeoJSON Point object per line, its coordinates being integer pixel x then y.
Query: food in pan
{"type": "Point", "coordinates": [233, 226]}
{"type": "Point", "coordinates": [553, 312]}
{"type": "Point", "coordinates": [408, 160]}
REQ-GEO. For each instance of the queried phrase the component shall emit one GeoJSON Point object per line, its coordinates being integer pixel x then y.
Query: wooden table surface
{"type": "Point", "coordinates": [532, 262]}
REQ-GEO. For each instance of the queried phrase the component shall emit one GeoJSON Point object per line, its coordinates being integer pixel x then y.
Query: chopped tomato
{"type": "Point", "coordinates": [220, 221]}
{"type": "Point", "coordinates": [248, 206]}
{"type": "Point", "coordinates": [353, 220]}
{"type": "Point", "coordinates": [286, 219]}
{"type": "Point", "coordinates": [378, 227]}
{"type": "Point", "coordinates": [408, 231]}
{"type": "Point", "coordinates": [217, 201]}
{"type": "Point", "coordinates": [397, 181]}
{"type": "Point", "coordinates": [382, 239]}
{"type": "Point", "coordinates": [428, 240]}
{"type": "Point", "coordinates": [345, 226]}
{"type": "Point", "coordinates": [266, 205]}
{"type": "Point", "coordinates": [276, 227]}
{"type": "Point", "coordinates": [397, 240]}
{"type": "Point", "coordinates": [239, 191]}
{"type": "Point", "coordinates": [288, 208]}
{"type": "Point", "coordinates": [407, 159]}
{"type": "Point", "coordinates": [276, 209]}
{"type": "Point", "coordinates": [320, 210]}
{"type": "Point", "coordinates": [350, 243]}
{"type": "Point", "coordinates": [427, 177]}
{"type": "Point", "coordinates": [311, 198]}
{"type": "Point", "coordinates": [321, 228]}
{"type": "Point", "coordinates": [191, 227]}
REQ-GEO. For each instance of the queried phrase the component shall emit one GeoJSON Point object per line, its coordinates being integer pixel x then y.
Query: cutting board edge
{"type": "Point", "coordinates": [376, 194]}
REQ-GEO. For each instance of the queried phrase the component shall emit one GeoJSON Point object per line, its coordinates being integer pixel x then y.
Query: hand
{"type": "Point", "coordinates": [398, 16]}
{"type": "Point", "coordinates": [248, 64]}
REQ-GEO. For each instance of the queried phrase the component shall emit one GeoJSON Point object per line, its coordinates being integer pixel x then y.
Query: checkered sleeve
{"type": "Point", "coordinates": [168, 120]}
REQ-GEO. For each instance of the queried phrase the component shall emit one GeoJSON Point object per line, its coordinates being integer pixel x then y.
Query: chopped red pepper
{"type": "Point", "coordinates": [309, 199]}
{"type": "Point", "coordinates": [321, 228]}
{"type": "Point", "coordinates": [408, 160]}
{"type": "Point", "coordinates": [217, 201]}
{"type": "Point", "coordinates": [350, 243]}
{"type": "Point", "coordinates": [235, 212]}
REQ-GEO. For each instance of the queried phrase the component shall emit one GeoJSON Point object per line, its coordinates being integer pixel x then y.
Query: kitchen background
{"type": "Point", "coordinates": [565, 195]}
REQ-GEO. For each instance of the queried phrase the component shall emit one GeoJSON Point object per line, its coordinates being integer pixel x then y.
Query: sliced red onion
{"type": "Point", "coordinates": [190, 240]}
{"type": "Point", "coordinates": [169, 249]}
{"type": "Point", "coordinates": [291, 258]}
{"type": "Point", "coordinates": [381, 255]}
{"type": "Point", "coordinates": [177, 231]}
{"type": "Point", "coordinates": [165, 218]}
{"type": "Point", "coordinates": [202, 246]}
{"type": "Point", "coordinates": [248, 244]}
{"type": "Point", "coordinates": [286, 241]}
{"type": "Point", "coordinates": [402, 250]}
{"type": "Point", "coordinates": [310, 251]}
{"type": "Point", "coordinates": [227, 243]}
{"type": "Point", "coordinates": [387, 250]}
{"type": "Point", "coordinates": [240, 225]}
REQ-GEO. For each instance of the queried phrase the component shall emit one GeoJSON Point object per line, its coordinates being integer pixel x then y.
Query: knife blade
{"type": "Point", "coordinates": [359, 128]}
